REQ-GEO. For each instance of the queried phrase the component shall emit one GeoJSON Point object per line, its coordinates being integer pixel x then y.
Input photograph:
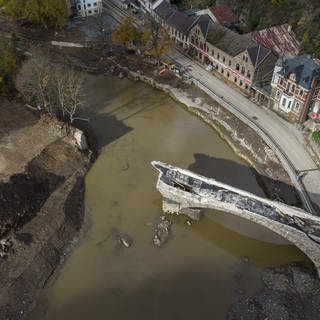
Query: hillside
{"type": "Point", "coordinates": [303, 15]}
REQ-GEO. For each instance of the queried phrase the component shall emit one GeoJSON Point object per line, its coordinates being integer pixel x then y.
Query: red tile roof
{"type": "Point", "coordinates": [281, 40]}
{"type": "Point", "coordinates": [224, 15]}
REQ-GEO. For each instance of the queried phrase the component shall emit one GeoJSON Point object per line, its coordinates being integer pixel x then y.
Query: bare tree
{"type": "Point", "coordinates": [57, 90]}
{"type": "Point", "coordinates": [73, 94]}
{"type": "Point", "coordinates": [34, 83]}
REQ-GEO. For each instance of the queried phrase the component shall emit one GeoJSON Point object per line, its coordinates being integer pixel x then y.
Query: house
{"type": "Point", "coordinates": [87, 8]}
{"type": "Point", "coordinates": [295, 88]}
{"type": "Point", "coordinates": [235, 57]}
{"type": "Point", "coordinates": [179, 25]}
{"type": "Point", "coordinates": [220, 14]}
{"type": "Point", "coordinates": [163, 11]}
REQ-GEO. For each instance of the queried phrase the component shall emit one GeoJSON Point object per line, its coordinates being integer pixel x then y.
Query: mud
{"type": "Point", "coordinates": [41, 206]}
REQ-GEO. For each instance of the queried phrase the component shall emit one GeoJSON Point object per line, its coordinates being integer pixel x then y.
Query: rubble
{"type": "Point", "coordinates": [162, 232]}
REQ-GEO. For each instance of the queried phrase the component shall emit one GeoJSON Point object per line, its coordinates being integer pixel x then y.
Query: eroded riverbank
{"type": "Point", "coordinates": [41, 203]}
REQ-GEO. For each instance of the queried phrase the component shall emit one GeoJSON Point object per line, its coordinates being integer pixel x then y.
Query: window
{"type": "Point", "coordinates": [95, 4]}
{"type": "Point", "coordinates": [89, 11]}
{"type": "Point", "coordinates": [228, 74]}
{"type": "Point", "coordinates": [235, 79]}
{"type": "Point", "coordinates": [281, 81]}
{"type": "Point", "coordinates": [297, 107]}
{"type": "Point", "coordinates": [248, 74]}
{"type": "Point", "coordinates": [246, 86]}
{"type": "Point", "coordinates": [300, 92]}
{"type": "Point", "coordinates": [289, 105]}
{"type": "Point", "coordinates": [277, 94]}
{"type": "Point", "coordinates": [288, 86]}
{"type": "Point", "coordinates": [218, 55]}
{"type": "Point", "coordinates": [243, 70]}
{"type": "Point", "coordinates": [223, 59]}
{"type": "Point", "coordinates": [89, 5]}
{"type": "Point", "coordinates": [243, 57]}
{"type": "Point", "coordinates": [212, 52]}
{"type": "Point", "coordinates": [222, 71]}
{"type": "Point", "coordinates": [229, 63]}
{"type": "Point", "coordinates": [241, 83]}
{"type": "Point", "coordinates": [237, 66]}
{"type": "Point", "coordinates": [246, 59]}
{"type": "Point", "coordinates": [284, 101]}
{"type": "Point", "coordinates": [293, 87]}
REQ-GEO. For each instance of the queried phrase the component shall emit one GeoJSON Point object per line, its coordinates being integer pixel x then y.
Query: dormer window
{"type": "Point", "coordinates": [293, 77]}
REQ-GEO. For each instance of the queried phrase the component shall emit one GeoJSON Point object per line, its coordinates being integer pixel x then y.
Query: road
{"type": "Point", "coordinates": [289, 141]}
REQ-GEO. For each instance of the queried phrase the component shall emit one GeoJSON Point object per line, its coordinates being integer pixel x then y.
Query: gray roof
{"type": "Point", "coordinates": [165, 10]}
{"type": "Point", "coordinates": [257, 54]}
{"type": "Point", "coordinates": [204, 23]}
{"type": "Point", "coordinates": [228, 41]}
{"type": "Point", "coordinates": [304, 68]}
{"type": "Point", "coordinates": [181, 22]}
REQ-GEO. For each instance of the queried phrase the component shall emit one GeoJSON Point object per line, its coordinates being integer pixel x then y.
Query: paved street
{"type": "Point", "coordinates": [288, 137]}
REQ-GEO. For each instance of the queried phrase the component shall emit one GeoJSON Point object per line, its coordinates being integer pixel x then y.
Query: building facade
{"type": "Point", "coordinates": [295, 88]}
{"type": "Point", "coordinates": [236, 58]}
{"type": "Point", "coordinates": [87, 8]}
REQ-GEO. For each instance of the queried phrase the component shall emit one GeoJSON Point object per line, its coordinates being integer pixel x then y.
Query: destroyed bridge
{"type": "Point", "coordinates": [186, 192]}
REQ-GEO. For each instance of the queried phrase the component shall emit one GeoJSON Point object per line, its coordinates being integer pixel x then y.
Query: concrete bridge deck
{"type": "Point", "coordinates": [185, 192]}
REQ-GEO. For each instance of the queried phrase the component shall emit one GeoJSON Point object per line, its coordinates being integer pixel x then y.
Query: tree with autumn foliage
{"type": "Point", "coordinates": [125, 33]}
{"type": "Point", "coordinates": [155, 39]}
{"type": "Point", "coordinates": [46, 13]}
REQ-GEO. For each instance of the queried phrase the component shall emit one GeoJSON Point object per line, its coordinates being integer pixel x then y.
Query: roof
{"type": "Point", "coordinates": [280, 39]}
{"type": "Point", "coordinates": [204, 23]}
{"type": "Point", "coordinates": [224, 15]}
{"type": "Point", "coordinates": [165, 10]}
{"type": "Point", "coordinates": [181, 22]}
{"type": "Point", "coordinates": [128, 1]}
{"type": "Point", "coordinates": [228, 41]}
{"type": "Point", "coordinates": [257, 54]}
{"type": "Point", "coordinates": [191, 11]}
{"type": "Point", "coordinates": [304, 67]}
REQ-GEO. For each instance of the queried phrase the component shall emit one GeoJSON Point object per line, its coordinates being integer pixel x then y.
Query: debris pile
{"type": "Point", "coordinates": [5, 247]}
{"type": "Point", "coordinates": [162, 232]}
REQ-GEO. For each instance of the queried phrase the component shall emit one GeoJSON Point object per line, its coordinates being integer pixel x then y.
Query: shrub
{"type": "Point", "coordinates": [316, 137]}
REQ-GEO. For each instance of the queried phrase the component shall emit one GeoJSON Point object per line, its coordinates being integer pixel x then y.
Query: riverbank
{"type": "Point", "coordinates": [41, 203]}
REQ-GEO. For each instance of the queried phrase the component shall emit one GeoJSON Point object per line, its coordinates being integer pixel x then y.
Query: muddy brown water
{"type": "Point", "coordinates": [202, 269]}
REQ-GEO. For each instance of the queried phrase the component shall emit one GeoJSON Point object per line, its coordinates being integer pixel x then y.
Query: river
{"type": "Point", "coordinates": [203, 268]}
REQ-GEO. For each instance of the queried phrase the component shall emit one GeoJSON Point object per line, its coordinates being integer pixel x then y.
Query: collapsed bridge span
{"type": "Point", "coordinates": [185, 192]}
